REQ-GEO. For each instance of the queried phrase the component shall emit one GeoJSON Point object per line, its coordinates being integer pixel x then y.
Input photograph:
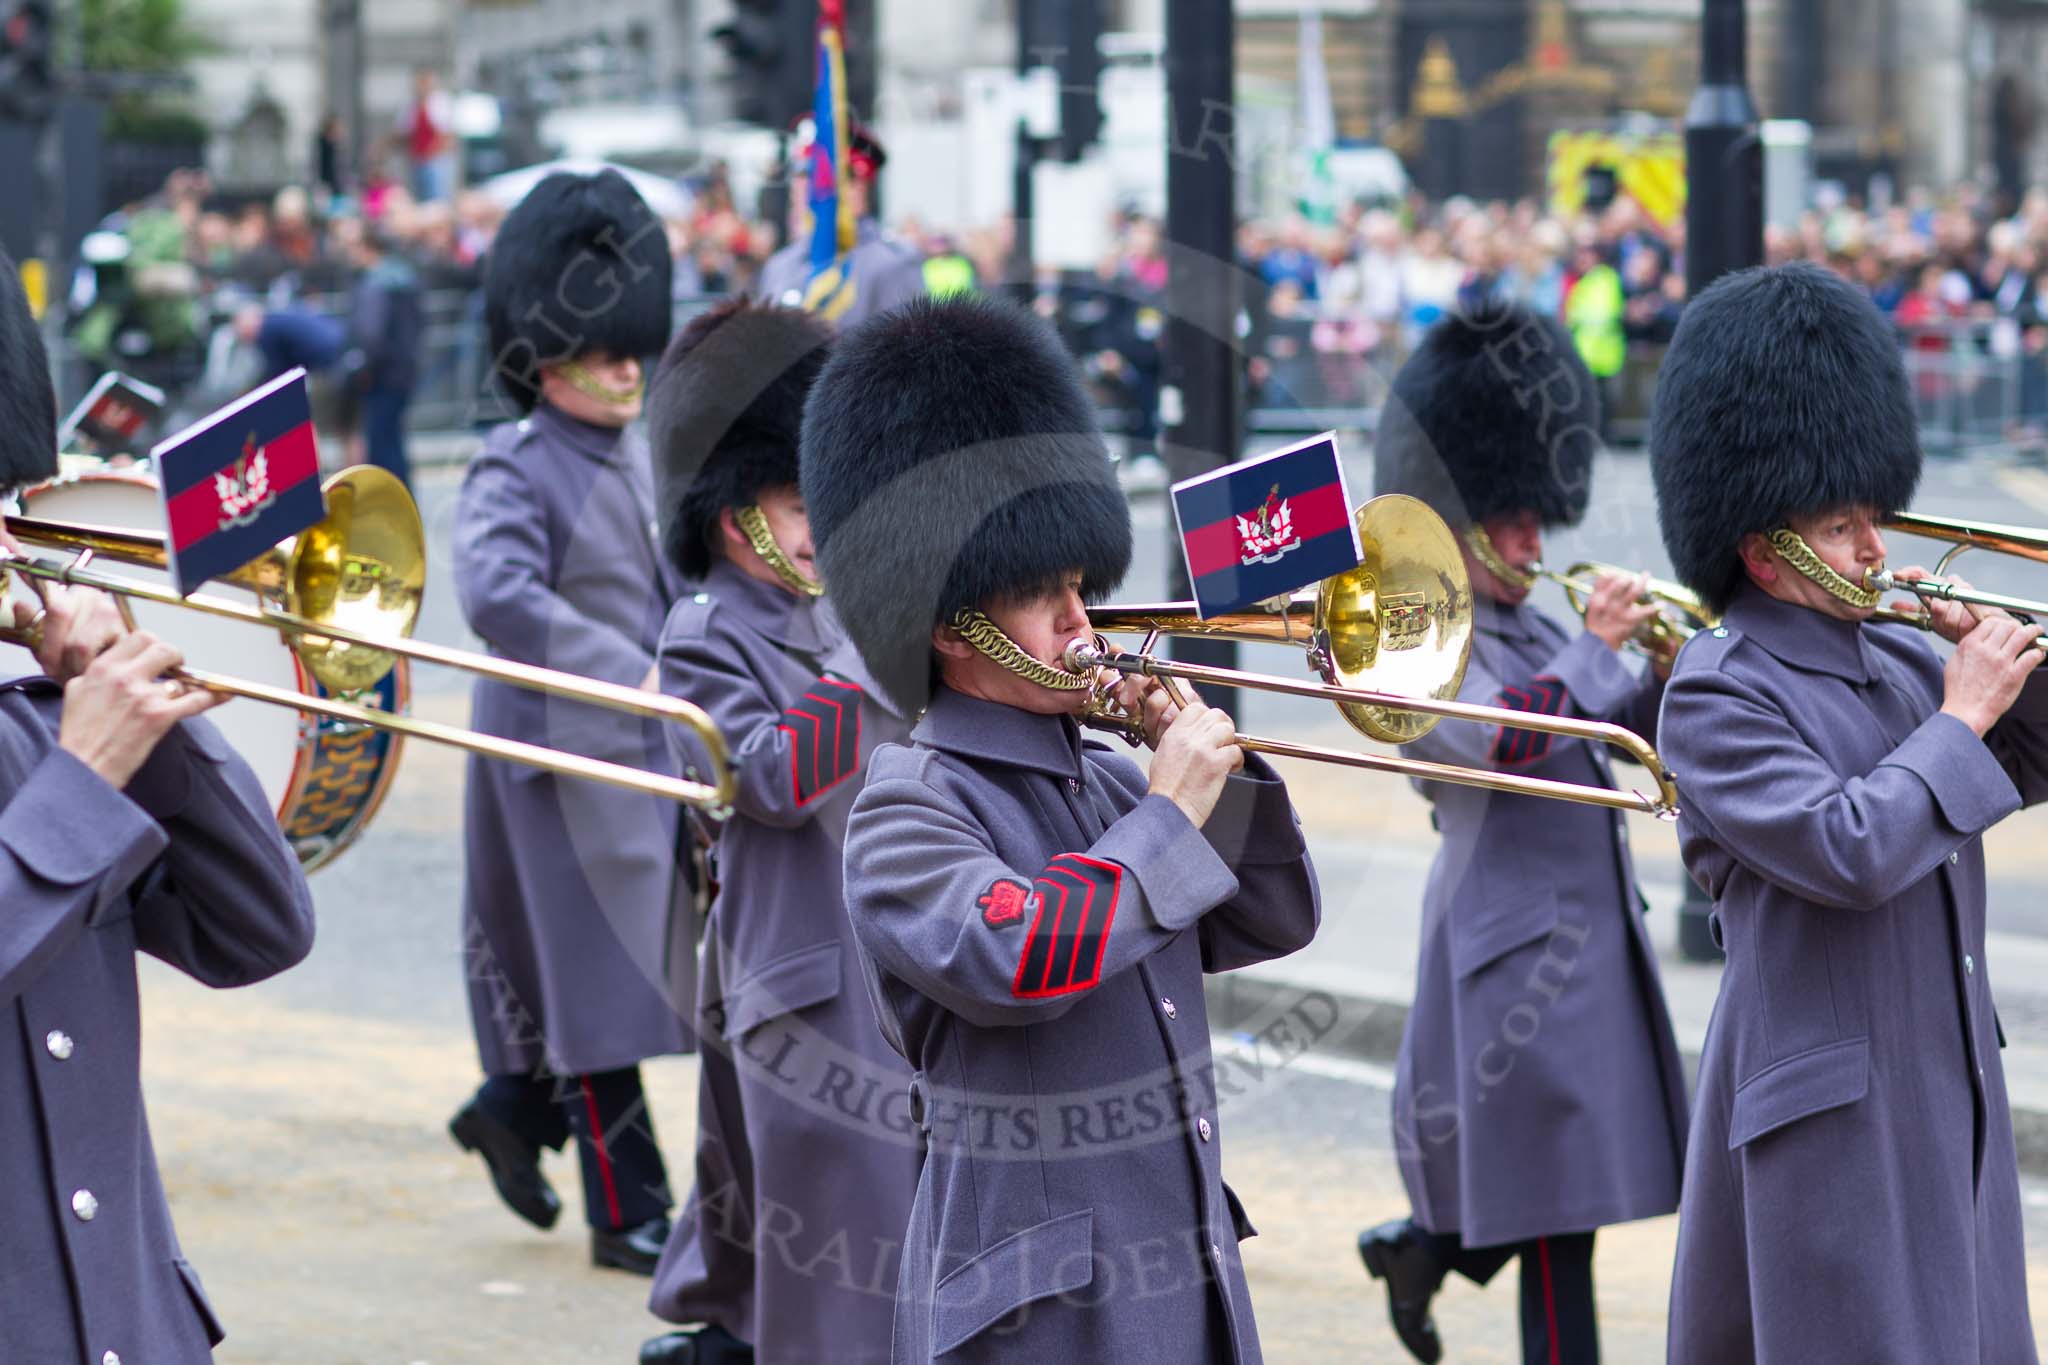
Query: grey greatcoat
{"type": "Point", "coordinates": [884, 273]}
{"type": "Point", "coordinates": [576, 955]}
{"type": "Point", "coordinates": [185, 864]}
{"type": "Point", "coordinates": [1851, 1191]}
{"type": "Point", "coordinates": [1037, 928]}
{"type": "Point", "coordinates": [803, 1107]}
{"type": "Point", "coordinates": [1539, 1090]}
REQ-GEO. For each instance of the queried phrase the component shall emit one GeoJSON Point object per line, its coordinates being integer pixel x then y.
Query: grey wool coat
{"type": "Point", "coordinates": [185, 864]}
{"type": "Point", "coordinates": [1037, 929]}
{"type": "Point", "coordinates": [885, 273]}
{"type": "Point", "coordinates": [578, 949]}
{"type": "Point", "coordinates": [807, 1158]}
{"type": "Point", "coordinates": [1851, 1192]}
{"type": "Point", "coordinates": [1539, 1089]}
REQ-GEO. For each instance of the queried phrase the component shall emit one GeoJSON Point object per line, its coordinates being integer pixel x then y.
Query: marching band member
{"type": "Point", "coordinates": [876, 275]}
{"type": "Point", "coordinates": [1851, 1191]}
{"type": "Point", "coordinates": [1036, 913]}
{"type": "Point", "coordinates": [568, 885]}
{"type": "Point", "coordinates": [798, 1093]}
{"type": "Point", "coordinates": [126, 825]}
{"type": "Point", "coordinates": [1539, 1094]}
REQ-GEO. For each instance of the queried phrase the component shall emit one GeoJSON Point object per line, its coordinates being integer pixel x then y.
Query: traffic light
{"type": "Point", "coordinates": [1080, 72]}
{"type": "Point", "coordinates": [28, 73]}
{"type": "Point", "coordinates": [772, 45]}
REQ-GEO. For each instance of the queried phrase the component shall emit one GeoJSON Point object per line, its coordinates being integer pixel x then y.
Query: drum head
{"type": "Point", "coordinates": [268, 737]}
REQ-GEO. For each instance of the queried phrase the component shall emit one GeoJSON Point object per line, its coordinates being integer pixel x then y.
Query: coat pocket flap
{"type": "Point", "coordinates": [794, 981]}
{"type": "Point", "coordinates": [200, 1303]}
{"type": "Point", "coordinates": [1053, 1257]}
{"type": "Point", "coordinates": [1801, 1085]}
{"type": "Point", "coordinates": [1240, 1221]}
{"type": "Point", "coordinates": [1497, 929]}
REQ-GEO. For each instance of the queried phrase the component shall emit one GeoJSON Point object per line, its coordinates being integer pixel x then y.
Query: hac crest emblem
{"type": "Point", "coordinates": [244, 487]}
{"type": "Point", "coordinates": [1267, 532]}
{"type": "Point", "coordinates": [1004, 903]}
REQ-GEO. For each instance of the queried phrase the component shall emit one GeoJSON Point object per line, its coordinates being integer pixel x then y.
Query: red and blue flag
{"type": "Point", "coordinates": [1266, 526]}
{"type": "Point", "coordinates": [237, 482]}
{"type": "Point", "coordinates": [833, 231]}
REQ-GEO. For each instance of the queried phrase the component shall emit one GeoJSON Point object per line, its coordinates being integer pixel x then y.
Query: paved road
{"type": "Point", "coordinates": [300, 1122]}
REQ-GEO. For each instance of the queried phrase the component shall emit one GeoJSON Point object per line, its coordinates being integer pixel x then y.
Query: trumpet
{"type": "Point", "coordinates": [344, 593]}
{"type": "Point", "coordinates": [1681, 613]}
{"type": "Point", "coordinates": [1391, 639]}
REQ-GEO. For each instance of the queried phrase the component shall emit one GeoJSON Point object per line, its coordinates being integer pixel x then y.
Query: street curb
{"type": "Point", "coordinates": [1371, 1027]}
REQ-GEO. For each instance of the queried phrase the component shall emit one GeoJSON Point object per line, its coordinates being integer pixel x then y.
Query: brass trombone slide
{"type": "Point", "coordinates": [1082, 656]}
{"type": "Point", "coordinates": [1962, 536]}
{"type": "Point", "coordinates": [714, 796]}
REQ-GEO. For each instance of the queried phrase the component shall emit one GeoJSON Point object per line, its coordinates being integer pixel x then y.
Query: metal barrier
{"type": "Point", "coordinates": [1973, 386]}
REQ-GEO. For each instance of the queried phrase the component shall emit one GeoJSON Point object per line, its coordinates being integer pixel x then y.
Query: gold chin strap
{"type": "Point", "coordinates": [1482, 549]}
{"type": "Point", "coordinates": [1796, 552]}
{"type": "Point", "coordinates": [590, 386]}
{"type": "Point", "coordinates": [987, 637]}
{"type": "Point", "coordinates": [755, 526]}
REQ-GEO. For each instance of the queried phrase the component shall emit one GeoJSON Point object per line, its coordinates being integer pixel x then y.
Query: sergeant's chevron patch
{"type": "Point", "coordinates": [1544, 695]}
{"type": "Point", "coordinates": [1074, 907]}
{"type": "Point", "coordinates": [824, 732]}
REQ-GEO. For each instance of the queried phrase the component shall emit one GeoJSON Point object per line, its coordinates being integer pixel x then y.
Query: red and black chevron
{"type": "Point", "coordinates": [1075, 903]}
{"type": "Point", "coordinates": [824, 733]}
{"type": "Point", "coordinates": [1517, 748]}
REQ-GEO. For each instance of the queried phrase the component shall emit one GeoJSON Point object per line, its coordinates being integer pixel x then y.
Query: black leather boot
{"type": "Point", "coordinates": [634, 1249]}
{"type": "Point", "coordinates": [1398, 1253]}
{"type": "Point", "coordinates": [514, 1163]}
{"type": "Point", "coordinates": [706, 1345]}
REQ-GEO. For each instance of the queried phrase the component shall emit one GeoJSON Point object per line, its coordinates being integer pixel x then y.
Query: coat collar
{"type": "Point", "coordinates": [1497, 618]}
{"type": "Point", "coordinates": [1800, 636]}
{"type": "Point", "coordinates": [994, 733]}
{"type": "Point", "coordinates": [594, 442]}
{"type": "Point", "coordinates": [774, 611]}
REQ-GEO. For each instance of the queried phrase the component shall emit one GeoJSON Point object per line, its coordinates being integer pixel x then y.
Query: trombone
{"type": "Point", "coordinates": [1391, 639]}
{"type": "Point", "coordinates": [1962, 536]}
{"type": "Point", "coordinates": [344, 593]}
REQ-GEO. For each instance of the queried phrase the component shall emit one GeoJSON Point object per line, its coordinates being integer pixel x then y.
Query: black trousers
{"type": "Point", "coordinates": [625, 1182]}
{"type": "Point", "coordinates": [1559, 1324]}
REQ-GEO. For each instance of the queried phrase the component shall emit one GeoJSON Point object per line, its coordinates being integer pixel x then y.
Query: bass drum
{"type": "Point", "coordinates": [325, 778]}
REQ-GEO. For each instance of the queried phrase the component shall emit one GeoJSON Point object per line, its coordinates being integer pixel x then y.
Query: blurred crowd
{"type": "Point", "coordinates": [376, 289]}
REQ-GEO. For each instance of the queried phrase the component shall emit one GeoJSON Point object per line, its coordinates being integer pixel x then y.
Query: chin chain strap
{"type": "Point", "coordinates": [1483, 551]}
{"type": "Point", "coordinates": [755, 526]}
{"type": "Point", "coordinates": [590, 386]}
{"type": "Point", "coordinates": [1801, 556]}
{"type": "Point", "coordinates": [987, 637]}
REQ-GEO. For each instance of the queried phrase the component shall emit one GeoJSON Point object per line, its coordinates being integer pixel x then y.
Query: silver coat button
{"type": "Point", "coordinates": [1969, 964]}
{"type": "Point", "coordinates": [110, 1359]}
{"type": "Point", "coordinates": [59, 1044]}
{"type": "Point", "coordinates": [1167, 1005]}
{"type": "Point", "coordinates": [1202, 1127]}
{"type": "Point", "coordinates": [1952, 858]}
{"type": "Point", "coordinates": [1217, 1252]}
{"type": "Point", "coordinates": [84, 1205]}
{"type": "Point", "coordinates": [1720, 632]}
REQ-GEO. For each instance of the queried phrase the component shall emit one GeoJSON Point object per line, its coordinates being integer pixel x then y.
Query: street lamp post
{"type": "Point", "coordinates": [1724, 157]}
{"type": "Point", "coordinates": [1201, 412]}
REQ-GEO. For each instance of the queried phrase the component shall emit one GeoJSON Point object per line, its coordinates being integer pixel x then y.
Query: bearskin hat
{"type": "Point", "coordinates": [580, 265]}
{"type": "Point", "coordinates": [1783, 393]}
{"type": "Point", "coordinates": [28, 403]}
{"type": "Point", "coordinates": [1494, 413]}
{"type": "Point", "coordinates": [724, 416]}
{"type": "Point", "coordinates": [951, 459]}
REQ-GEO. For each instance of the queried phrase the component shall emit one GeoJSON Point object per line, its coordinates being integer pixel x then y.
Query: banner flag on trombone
{"type": "Point", "coordinates": [1266, 526]}
{"type": "Point", "coordinates": [237, 482]}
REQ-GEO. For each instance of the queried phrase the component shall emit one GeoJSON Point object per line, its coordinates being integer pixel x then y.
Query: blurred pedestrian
{"type": "Point", "coordinates": [382, 362]}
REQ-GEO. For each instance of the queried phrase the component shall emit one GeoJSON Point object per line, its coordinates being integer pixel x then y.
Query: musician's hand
{"type": "Point", "coordinates": [1613, 612]}
{"type": "Point", "coordinates": [78, 625]}
{"type": "Point", "coordinates": [1950, 620]}
{"type": "Point", "coordinates": [1197, 753]}
{"type": "Point", "coordinates": [1147, 701]}
{"type": "Point", "coordinates": [121, 705]}
{"type": "Point", "coordinates": [1985, 674]}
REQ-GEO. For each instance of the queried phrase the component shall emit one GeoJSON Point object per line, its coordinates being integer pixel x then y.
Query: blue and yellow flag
{"type": "Point", "coordinates": [832, 225]}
